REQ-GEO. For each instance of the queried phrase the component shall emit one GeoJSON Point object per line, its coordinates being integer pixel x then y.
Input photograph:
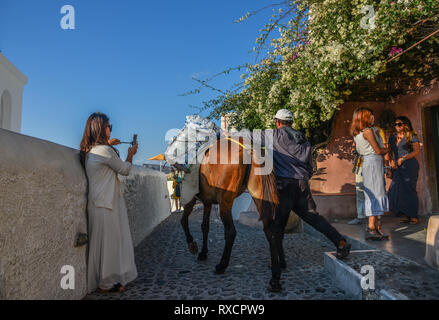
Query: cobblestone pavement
{"type": "Point", "coordinates": [168, 271]}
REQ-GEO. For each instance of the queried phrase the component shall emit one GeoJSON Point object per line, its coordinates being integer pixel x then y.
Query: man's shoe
{"type": "Point", "coordinates": [274, 286]}
{"type": "Point", "coordinates": [356, 221]}
{"type": "Point", "coordinates": [343, 251]}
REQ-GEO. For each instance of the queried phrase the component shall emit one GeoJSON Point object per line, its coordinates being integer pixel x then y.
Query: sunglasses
{"type": "Point", "coordinates": [111, 127]}
{"type": "Point", "coordinates": [399, 124]}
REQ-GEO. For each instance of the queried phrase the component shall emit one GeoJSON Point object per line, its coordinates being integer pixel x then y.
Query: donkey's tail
{"type": "Point", "coordinates": [263, 190]}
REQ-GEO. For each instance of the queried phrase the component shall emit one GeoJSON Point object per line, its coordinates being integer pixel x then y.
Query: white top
{"type": "Point", "coordinates": [102, 166]}
{"type": "Point", "coordinates": [363, 146]}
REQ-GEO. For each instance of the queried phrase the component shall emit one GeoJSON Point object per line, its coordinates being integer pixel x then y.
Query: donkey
{"type": "Point", "coordinates": [222, 184]}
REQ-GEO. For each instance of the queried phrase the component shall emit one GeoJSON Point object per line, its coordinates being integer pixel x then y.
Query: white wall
{"type": "Point", "coordinates": [43, 207]}
{"type": "Point", "coordinates": [12, 82]}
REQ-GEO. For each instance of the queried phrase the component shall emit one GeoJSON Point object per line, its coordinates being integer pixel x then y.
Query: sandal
{"type": "Point", "coordinates": [414, 221]}
{"type": "Point", "coordinates": [372, 234]}
{"type": "Point", "coordinates": [382, 234]}
{"type": "Point", "coordinates": [379, 230]}
{"type": "Point", "coordinates": [116, 288]}
{"type": "Point", "coordinates": [404, 219]}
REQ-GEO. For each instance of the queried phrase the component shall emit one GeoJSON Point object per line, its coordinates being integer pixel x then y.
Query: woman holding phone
{"type": "Point", "coordinates": [111, 255]}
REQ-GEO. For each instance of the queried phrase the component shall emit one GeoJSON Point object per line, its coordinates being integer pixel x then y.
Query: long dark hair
{"type": "Point", "coordinates": [94, 133]}
{"type": "Point", "coordinates": [408, 131]}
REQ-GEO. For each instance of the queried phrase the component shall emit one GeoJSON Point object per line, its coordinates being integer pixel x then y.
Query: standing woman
{"type": "Point", "coordinates": [371, 148]}
{"type": "Point", "coordinates": [111, 256]}
{"type": "Point", "coordinates": [402, 193]}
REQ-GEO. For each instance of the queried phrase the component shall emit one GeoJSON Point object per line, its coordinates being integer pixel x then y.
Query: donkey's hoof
{"type": "Point", "coordinates": [202, 256]}
{"type": "Point", "coordinates": [193, 247]}
{"type": "Point", "coordinates": [220, 269]}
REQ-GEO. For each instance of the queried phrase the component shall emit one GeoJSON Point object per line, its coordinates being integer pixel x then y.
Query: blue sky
{"type": "Point", "coordinates": [129, 59]}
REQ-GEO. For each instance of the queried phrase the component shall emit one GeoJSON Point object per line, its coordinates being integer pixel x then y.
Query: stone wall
{"type": "Point", "coordinates": [147, 200]}
{"type": "Point", "coordinates": [42, 209]}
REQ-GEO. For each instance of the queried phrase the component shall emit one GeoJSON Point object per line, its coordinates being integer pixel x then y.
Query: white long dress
{"type": "Point", "coordinates": [111, 253]}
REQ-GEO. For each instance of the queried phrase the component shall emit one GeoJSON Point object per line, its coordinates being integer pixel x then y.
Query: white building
{"type": "Point", "coordinates": [12, 82]}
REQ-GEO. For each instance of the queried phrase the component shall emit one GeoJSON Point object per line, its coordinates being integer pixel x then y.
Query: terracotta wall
{"type": "Point", "coordinates": [335, 162]}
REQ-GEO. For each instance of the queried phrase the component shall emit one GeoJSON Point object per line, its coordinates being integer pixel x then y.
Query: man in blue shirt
{"type": "Point", "coordinates": [292, 165]}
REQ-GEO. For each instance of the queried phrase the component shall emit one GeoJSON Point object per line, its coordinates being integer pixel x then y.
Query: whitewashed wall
{"type": "Point", "coordinates": [43, 207]}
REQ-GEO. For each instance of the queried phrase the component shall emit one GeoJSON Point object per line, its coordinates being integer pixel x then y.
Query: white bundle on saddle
{"type": "Point", "coordinates": [184, 147]}
{"type": "Point", "coordinates": [188, 149]}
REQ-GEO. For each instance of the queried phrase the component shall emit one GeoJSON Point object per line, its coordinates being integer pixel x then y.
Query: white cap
{"type": "Point", "coordinates": [284, 114]}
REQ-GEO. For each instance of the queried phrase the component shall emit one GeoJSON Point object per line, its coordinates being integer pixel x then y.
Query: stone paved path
{"type": "Point", "coordinates": [168, 271]}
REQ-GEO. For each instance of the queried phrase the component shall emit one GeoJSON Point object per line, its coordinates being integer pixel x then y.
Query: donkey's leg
{"type": "Point", "coordinates": [205, 229]}
{"type": "Point", "coordinates": [269, 230]}
{"type": "Point", "coordinates": [193, 247]}
{"type": "Point", "coordinates": [229, 236]}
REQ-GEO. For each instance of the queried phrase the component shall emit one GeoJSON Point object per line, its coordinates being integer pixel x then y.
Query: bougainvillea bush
{"type": "Point", "coordinates": [324, 47]}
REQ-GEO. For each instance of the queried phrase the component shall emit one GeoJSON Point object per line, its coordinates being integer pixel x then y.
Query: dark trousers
{"type": "Point", "coordinates": [296, 195]}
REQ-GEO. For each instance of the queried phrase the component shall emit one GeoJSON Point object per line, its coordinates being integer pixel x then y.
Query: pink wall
{"type": "Point", "coordinates": [335, 162]}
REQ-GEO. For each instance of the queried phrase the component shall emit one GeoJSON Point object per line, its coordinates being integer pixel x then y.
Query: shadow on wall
{"type": "Point", "coordinates": [347, 188]}
{"type": "Point", "coordinates": [319, 173]}
{"type": "Point", "coordinates": [342, 148]}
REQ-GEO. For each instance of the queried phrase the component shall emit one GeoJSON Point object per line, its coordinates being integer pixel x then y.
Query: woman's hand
{"type": "Point", "coordinates": [113, 142]}
{"type": "Point", "coordinates": [400, 162]}
{"type": "Point", "coordinates": [393, 164]}
{"type": "Point", "coordinates": [385, 151]}
{"type": "Point", "coordinates": [131, 152]}
{"type": "Point", "coordinates": [389, 174]}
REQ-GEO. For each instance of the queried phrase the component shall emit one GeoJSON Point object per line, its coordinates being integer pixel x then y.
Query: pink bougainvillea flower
{"type": "Point", "coordinates": [394, 51]}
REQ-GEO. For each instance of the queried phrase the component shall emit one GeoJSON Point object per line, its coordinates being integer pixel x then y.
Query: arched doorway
{"type": "Point", "coordinates": [5, 110]}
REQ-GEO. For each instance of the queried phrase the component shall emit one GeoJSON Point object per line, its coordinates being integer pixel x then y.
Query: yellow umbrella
{"type": "Point", "coordinates": [158, 157]}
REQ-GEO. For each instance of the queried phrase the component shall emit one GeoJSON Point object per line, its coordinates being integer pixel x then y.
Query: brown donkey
{"type": "Point", "coordinates": [222, 184]}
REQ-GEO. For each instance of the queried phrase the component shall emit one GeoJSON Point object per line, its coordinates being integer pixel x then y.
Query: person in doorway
{"type": "Point", "coordinates": [405, 147]}
{"type": "Point", "coordinates": [371, 148]}
{"type": "Point", "coordinates": [111, 256]}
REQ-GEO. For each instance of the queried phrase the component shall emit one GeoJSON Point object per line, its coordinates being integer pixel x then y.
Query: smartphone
{"type": "Point", "coordinates": [134, 140]}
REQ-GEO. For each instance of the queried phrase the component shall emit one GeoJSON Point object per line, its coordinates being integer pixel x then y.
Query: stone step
{"type": "Point", "coordinates": [380, 275]}
{"type": "Point", "coordinates": [348, 279]}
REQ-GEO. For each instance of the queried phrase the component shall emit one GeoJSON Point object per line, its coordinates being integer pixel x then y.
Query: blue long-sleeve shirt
{"type": "Point", "coordinates": [292, 153]}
